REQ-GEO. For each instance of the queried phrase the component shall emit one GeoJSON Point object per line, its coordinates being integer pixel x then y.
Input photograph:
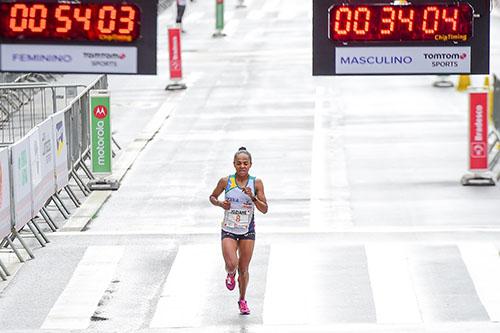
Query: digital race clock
{"type": "Point", "coordinates": [78, 36]}
{"type": "Point", "coordinates": [373, 37]}
{"type": "Point", "coordinates": [69, 21]}
{"type": "Point", "coordinates": [383, 22]}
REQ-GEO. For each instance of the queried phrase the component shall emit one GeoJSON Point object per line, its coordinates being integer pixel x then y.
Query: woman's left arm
{"type": "Point", "coordinates": [259, 199]}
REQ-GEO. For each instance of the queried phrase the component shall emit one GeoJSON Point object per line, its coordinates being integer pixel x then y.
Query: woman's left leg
{"type": "Point", "coordinates": [245, 249]}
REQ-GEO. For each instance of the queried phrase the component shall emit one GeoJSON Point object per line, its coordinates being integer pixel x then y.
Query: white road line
{"type": "Point", "coordinates": [187, 286]}
{"type": "Point", "coordinates": [78, 301]}
{"type": "Point", "coordinates": [330, 193]}
{"type": "Point", "coordinates": [392, 286]}
{"type": "Point", "coordinates": [483, 264]}
{"type": "Point", "coordinates": [288, 299]}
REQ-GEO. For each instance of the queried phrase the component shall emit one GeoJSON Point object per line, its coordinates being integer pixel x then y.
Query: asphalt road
{"type": "Point", "coordinates": [369, 229]}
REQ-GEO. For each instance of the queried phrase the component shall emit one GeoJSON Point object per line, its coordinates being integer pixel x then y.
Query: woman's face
{"type": "Point", "coordinates": [242, 164]}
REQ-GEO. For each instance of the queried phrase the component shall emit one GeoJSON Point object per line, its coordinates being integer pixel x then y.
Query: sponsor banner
{"type": "Point", "coordinates": [219, 14]}
{"type": "Point", "coordinates": [60, 145]}
{"type": "Point", "coordinates": [5, 218]}
{"type": "Point", "coordinates": [68, 58]}
{"type": "Point", "coordinates": [100, 132]}
{"type": "Point", "coordinates": [42, 165]}
{"type": "Point", "coordinates": [174, 46]}
{"type": "Point", "coordinates": [478, 132]}
{"type": "Point", "coordinates": [401, 60]}
{"type": "Point", "coordinates": [21, 181]}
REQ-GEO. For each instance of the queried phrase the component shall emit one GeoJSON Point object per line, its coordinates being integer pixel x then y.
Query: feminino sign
{"type": "Point", "coordinates": [409, 60]}
{"type": "Point", "coordinates": [101, 154]}
{"type": "Point", "coordinates": [69, 58]}
{"type": "Point", "coordinates": [478, 132]}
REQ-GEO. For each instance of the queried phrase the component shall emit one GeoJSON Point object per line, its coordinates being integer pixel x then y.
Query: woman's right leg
{"type": "Point", "coordinates": [229, 248]}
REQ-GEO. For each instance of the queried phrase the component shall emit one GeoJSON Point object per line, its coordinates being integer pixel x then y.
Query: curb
{"type": "Point", "coordinates": [88, 210]}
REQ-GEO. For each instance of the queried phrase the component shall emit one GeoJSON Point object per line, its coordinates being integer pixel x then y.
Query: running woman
{"type": "Point", "coordinates": [242, 194]}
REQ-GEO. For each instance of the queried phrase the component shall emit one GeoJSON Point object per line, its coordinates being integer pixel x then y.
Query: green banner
{"type": "Point", "coordinates": [100, 132]}
{"type": "Point", "coordinates": [219, 11]}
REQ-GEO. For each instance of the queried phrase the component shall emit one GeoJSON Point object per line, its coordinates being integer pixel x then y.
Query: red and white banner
{"type": "Point", "coordinates": [174, 46]}
{"type": "Point", "coordinates": [478, 133]}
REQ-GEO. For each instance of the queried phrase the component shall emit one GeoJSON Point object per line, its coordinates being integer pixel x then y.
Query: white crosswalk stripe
{"type": "Point", "coordinates": [185, 291]}
{"type": "Point", "coordinates": [392, 287]}
{"type": "Point", "coordinates": [483, 264]}
{"type": "Point", "coordinates": [77, 303]}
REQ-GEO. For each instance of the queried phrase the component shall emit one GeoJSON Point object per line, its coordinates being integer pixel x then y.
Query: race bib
{"type": "Point", "coordinates": [237, 218]}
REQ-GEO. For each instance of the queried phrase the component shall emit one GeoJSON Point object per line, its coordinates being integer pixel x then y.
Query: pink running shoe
{"type": "Point", "coordinates": [244, 310]}
{"type": "Point", "coordinates": [230, 283]}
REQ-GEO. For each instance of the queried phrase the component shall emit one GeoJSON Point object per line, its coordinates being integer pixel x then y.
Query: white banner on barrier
{"type": "Point", "coordinates": [42, 165]}
{"type": "Point", "coordinates": [5, 220]}
{"type": "Point", "coordinates": [61, 150]}
{"type": "Point", "coordinates": [36, 172]}
{"type": "Point", "coordinates": [21, 176]}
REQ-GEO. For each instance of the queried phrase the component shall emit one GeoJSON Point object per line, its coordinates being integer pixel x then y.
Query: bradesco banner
{"type": "Point", "coordinates": [42, 165]}
{"type": "Point", "coordinates": [5, 218]}
{"type": "Point", "coordinates": [60, 145]}
{"type": "Point", "coordinates": [174, 45]}
{"type": "Point", "coordinates": [478, 132]}
{"type": "Point", "coordinates": [100, 132]}
{"type": "Point", "coordinates": [21, 180]}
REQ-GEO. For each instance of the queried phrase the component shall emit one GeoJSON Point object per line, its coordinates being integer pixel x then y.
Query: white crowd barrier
{"type": "Point", "coordinates": [61, 151]}
{"type": "Point", "coordinates": [5, 217]}
{"type": "Point", "coordinates": [21, 182]}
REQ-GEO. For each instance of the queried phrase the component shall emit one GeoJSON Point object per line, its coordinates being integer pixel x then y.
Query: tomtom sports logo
{"type": "Point", "coordinates": [27, 57]}
{"type": "Point", "coordinates": [100, 112]}
{"type": "Point", "coordinates": [445, 56]}
{"type": "Point", "coordinates": [104, 56]}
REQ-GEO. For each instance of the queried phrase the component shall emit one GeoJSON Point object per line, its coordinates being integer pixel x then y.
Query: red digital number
{"type": "Point", "coordinates": [19, 14]}
{"type": "Point", "coordinates": [407, 20]}
{"type": "Point", "coordinates": [361, 18]}
{"type": "Point", "coordinates": [107, 20]}
{"type": "Point", "coordinates": [63, 15]}
{"type": "Point", "coordinates": [127, 20]}
{"type": "Point", "coordinates": [430, 22]}
{"type": "Point", "coordinates": [388, 20]}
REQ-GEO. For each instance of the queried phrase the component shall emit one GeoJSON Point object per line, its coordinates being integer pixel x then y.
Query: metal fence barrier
{"type": "Point", "coordinates": [494, 134]}
{"type": "Point", "coordinates": [44, 155]}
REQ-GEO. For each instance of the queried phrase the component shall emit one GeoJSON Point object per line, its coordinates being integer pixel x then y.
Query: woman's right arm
{"type": "Point", "coordinates": [221, 185]}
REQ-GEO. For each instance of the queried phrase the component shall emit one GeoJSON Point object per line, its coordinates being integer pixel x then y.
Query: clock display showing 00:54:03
{"type": "Point", "coordinates": [69, 21]}
{"type": "Point", "coordinates": [389, 22]}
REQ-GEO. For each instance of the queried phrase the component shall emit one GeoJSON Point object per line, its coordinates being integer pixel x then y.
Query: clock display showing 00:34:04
{"type": "Point", "coordinates": [68, 21]}
{"type": "Point", "coordinates": [388, 22]}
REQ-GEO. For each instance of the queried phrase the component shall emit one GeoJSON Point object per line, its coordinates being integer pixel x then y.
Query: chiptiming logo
{"type": "Point", "coordinates": [445, 59]}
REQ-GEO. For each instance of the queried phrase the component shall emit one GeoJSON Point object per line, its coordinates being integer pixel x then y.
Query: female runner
{"type": "Point", "coordinates": [242, 194]}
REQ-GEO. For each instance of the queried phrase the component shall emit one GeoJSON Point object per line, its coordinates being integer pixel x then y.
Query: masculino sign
{"type": "Point", "coordinates": [100, 132]}
{"type": "Point", "coordinates": [404, 60]}
{"type": "Point", "coordinates": [69, 58]}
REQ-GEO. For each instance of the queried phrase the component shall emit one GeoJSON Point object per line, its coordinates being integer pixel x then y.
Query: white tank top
{"type": "Point", "coordinates": [239, 219]}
